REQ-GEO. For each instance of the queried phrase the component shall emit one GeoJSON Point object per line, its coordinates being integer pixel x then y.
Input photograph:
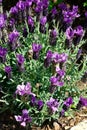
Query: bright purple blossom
{"type": "Point", "coordinates": [28, 3]}
{"type": "Point", "coordinates": [20, 5]}
{"type": "Point", "coordinates": [69, 33]}
{"type": "Point", "coordinates": [2, 20]}
{"type": "Point", "coordinates": [24, 89]}
{"type": "Point", "coordinates": [24, 118]}
{"type": "Point", "coordinates": [13, 36]}
{"type": "Point", "coordinates": [52, 105]}
{"type": "Point", "coordinates": [39, 104]}
{"type": "Point", "coordinates": [30, 21]}
{"type": "Point", "coordinates": [14, 10]}
{"type": "Point", "coordinates": [39, 7]}
{"type": "Point", "coordinates": [79, 31]}
{"type": "Point", "coordinates": [55, 81]}
{"type": "Point", "coordinates": [70, 15]}
{"type": "Point", "coordinates": [43, 20]}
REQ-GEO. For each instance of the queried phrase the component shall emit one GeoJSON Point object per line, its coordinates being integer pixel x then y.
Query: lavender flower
{"type": "Point", "coordinates": [14, 10]}
{"type": "Point", "coordinates": [67, 103]}
{"type": "Point", "coordinates": [20, 5]}
{"type": "Point", "coordinates": [62, 6]}
{"type": "Point", "coordinates": [39, 104]}
{"type": "Point", "coordinates": [53, 37]}
{"type": "Point", "coordinates": [43, 20]}
{"type": "Point", "coordinates": [36, 49]}
{"type": "Point", "coordinates": [8, 71]}
{"type": "Point", "coordinates": [83, 101]}
{"type": "Point", "coordinates": [24, 89]}
{"type": "Point", "coordinates": [24, 118]}
{"type": "Point", "coordinates": [20, 61]}
{"type": "Point", "coordinates": [52, 105]}
{"type": "Point", "coordinates": [25, 33]}
{"type": "Point", "coordinates": [69, 33]}
{"type": "Point", "coordinates": [70, 15]}
{"type": "Point", "coordinates": [13, 38]}
{"type": "Point", "coordinates": [69, 37]}
{"type": "Point", "coordinates": [31, 24]}
{"type": "Point", "coordinates": [78, 32]}
{"type": "Point", "coordinates": [28, 3]}
{"type": "Point", "coordinates": [2, 20]}
{"type": "Point", "coordinates": [3, 52]}
{"type": "Point", "coordinates": [48, 59]}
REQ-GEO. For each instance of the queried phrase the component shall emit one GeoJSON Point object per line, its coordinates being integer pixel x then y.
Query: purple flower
{"type": "Point", "coordinates": [39, 7]}
{"type": "Point", "coordinates": [33, 100]}
{"type": "Point", "coordinates": [69, 33]}
{"type": "Point", "coordinates": [14, 10]}
{"type": "Point", "coordinates": [79, 31]}
{"type": "Point", "coordinates": [3, 52]}
{"type": "Point", "coordinates": [39, 104]}
{"type": "Point", "coordinates": [2, 20]}
{"type": "Point", "coordinates": [30, 21]}
{"type": "Point", "coordinates": [24, 118]}
{"type": "Point", "coordinates": [13, 38]}
{"type": "Point", "coordinates": [36, 49]}
{"type": "Point", "coordinates": [53, 37]}
{"type": "Point", "coordinates": [62, 6]}
{"type": "Point", "coordinates": [86, 14]}
{"type": "Point", "coordinates": [8, 71]}
{"type": "Point", "coordinates": [52, 105]}
{"type": "Point", "coordinates": [24, 89]}
{"type": "Point", "coordinates": [55, 81]}
{"type": "Point", "coordinates": [20, 58]}
{"type": "Point", "coordinates": [67, 103]}
{"type": "Point", "coordinates": [11, 22]}
{"type": "Point", "coordinates": [20, 5]}
{"type": "Point", "coordinates": [28, 3]}
{"type": "Point", "coordinates": [43, 20]}
{"type": "Point", "coordinates": [70, 15]}
{"type": "Point", "coordinates": [60, 73]}
{"type": "Point", "coordinates": [83, 101]}
{"type": "Point", "coordinates": [48, 59]}
{"type": "Point", "coordinates": [0, 1]}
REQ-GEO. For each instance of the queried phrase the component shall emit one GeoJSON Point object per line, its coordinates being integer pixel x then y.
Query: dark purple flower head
{"type": "Point", "coordinates": [86, 14]}
{"type": "Point", "coordinates": [11, 22]}
{"type": "Point", "coordinates": [20, 5]}
{"type": "Point", "coordinates": [3, 52]}
{"type": "Point", "coordinates": [25, 32]}
{"type": "Point", "coordinates": [43, 20]}
{"type": "Point", "coordinates": [30, 21]}
{"type": "Point", "coordinates": [39, 104]}
{"type": "Point", "coordinates": [83, 101]}
{"type": "Point", "coordinates": [48, 59]}
{"type": "Point", "coordinates": [39, 7]}
{"type": "Point", "coordinates": [69, 33]}
{"type": "Point", "coordinates": [79, 31]}
{"type": "Point", "coordinates": [33, 100]}
{"type": "Point", "coordinates": [13, 36]}
{"type": "Point", "coordinates": [52, 105]}
{"type": "Point", "coordinates": [53, 33]}
{"type": "Point", "coordinates": [14, 10]}
{"type": "Point", "coordinates": [2, 20]}
{"type": "Point", "coordinates": [36, 47]}
{"type": "Point", "coordinates": [67, 103]}
{"type": "Point", "coordinates": [62, 6]}
{"type": "Point", "coordinates": [24, 118]}
{"type": "Point", "coordinates": [20, 58]}
{"type": "Point", "coordinates": [8, 69]}
{"type": "Point", "coordinates": [54, 11]}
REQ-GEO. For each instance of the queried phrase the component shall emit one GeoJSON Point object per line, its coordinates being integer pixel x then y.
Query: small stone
{"type": "Point", "coordinates": [67, 127]}
{"type": "Point", "coordinates": [56, 126]}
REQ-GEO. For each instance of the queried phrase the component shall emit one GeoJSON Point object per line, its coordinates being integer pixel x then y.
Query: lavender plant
{"type": "Point", "coordinates": [38, 66]}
